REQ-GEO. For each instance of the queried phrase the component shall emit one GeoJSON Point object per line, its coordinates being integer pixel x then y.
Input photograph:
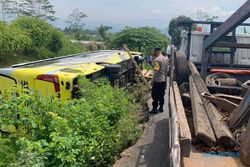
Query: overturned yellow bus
{"type": "Point", "coordinates": [59, 76]}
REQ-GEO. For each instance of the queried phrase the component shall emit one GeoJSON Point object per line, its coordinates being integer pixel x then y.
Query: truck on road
{"type": "Point", "coordinates": [209, 112]}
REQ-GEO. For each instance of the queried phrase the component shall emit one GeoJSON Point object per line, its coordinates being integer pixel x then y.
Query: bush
{"type": "Point", "coordinates": [47, 41]}
{"type": "Point", "coordinates": [102, 46]}
{"type": "Point", "coordinates": [43, 53]}
{"type": "Point", "coordinates": [92, 46]}
{"type": "Point", "coordinates": [55, 44]}
{"type": "Point", "coordinates": [91, 131]}
{"type": "Point", "coordinates": [31, 38]}
{"type": "Point", "coordinates": [70, 48]}
{"type": "Point", "coordinates": [82, 35]}
{"type": "Point", "coordinates": [13, 40]}
{"type": "Point", "coordinates": [39, 30]}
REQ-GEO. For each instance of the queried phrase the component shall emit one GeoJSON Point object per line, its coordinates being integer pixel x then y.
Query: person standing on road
{"type": "Point", "coordinates": [160, 66]}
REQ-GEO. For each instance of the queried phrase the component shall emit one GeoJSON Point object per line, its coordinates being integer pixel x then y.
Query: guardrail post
{"type": "Point", "coordinates": [172, 58]}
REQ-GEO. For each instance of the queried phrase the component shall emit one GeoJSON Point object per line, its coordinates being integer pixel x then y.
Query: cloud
{"type": "Point", "coordinates": [174, 8]}
{"type": "Point", "coordinates": [219, 12]}
{"type": "Point", "coordinates": [191, 12]}
{"type": "Point", "coordinates": [123, 12]}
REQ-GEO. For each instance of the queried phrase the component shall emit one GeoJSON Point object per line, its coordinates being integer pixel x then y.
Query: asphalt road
{"type": "Point", "coordinates": [152, 149]}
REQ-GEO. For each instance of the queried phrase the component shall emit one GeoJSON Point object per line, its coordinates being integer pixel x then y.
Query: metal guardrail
{"type": "Point", "coordinates": [174, 130]}
{"type": "Point", "coordinates": [172, 60]}
{"type": "Point", "coordinates": [215, 23]}
{"type": "Point", "coordinates": [175, 155]}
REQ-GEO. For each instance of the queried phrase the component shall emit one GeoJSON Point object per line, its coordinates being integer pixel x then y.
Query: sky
{"type": "Point", "coordinates": [157, 13]}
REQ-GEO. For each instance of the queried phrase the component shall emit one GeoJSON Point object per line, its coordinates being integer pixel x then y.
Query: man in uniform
{"type": "Point", "coordinates": [160, 66]}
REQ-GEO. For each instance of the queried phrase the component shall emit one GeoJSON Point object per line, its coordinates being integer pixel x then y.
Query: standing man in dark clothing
{"type": "Point", "coordinates": [160, 66]}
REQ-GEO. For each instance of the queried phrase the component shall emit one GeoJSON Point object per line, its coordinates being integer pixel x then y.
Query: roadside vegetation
{"type": "Point", "coordinates": [142, 39]}
{"type": "Point", "coordinates": [26, 33]}
{"type": "Point", "coordinates": [31, 38]}
{"type": "Point", "coordinates": [90, 131]}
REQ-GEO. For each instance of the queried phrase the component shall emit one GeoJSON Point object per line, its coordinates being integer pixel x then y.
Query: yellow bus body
{"type": "Point", "coordinates": [56, 76]}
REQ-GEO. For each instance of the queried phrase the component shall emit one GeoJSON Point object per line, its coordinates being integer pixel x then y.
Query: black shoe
{"type": "Point", "coordinates": [160, 110]}
{"type": "Point", "coordinates": [154, 111]}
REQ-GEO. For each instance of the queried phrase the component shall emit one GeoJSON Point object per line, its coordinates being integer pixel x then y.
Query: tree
{"type": "Point", "coordinates": [143, 39]}
{"type": "Point", "coordinates": [81, 35]}
{"type": "Point", "coordinates": [16, 8]}
{"type": "Point", "coordinates": [55, 43]}
{"type": "Point", "coordinates": [203, 16]}
{"type": "Point", "coordinates": [36, 8]}
{"type": "Point", "coordinates": [5, 6]}
{"type": "Point", "coordinates": [175, 29]}
{"type": "Point", "coordinates": [76, 20]}
{"type": "Point", "coordinates": [103, 31]}
{"type": "Point", "coordinates": [42, 9]}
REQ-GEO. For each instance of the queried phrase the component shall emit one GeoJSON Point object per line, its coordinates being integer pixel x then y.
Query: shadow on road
{"type": "Point", "coordinates": [156, 154]}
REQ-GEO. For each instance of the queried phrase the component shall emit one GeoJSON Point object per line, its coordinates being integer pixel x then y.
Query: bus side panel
{"type": "Point", "coordinates": [45, 88]}
{"type": "Point", "coordinates": [6, 83]}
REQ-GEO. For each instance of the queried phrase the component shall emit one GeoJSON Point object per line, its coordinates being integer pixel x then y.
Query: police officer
{"type": "Point", "coordinates": [160, 66]}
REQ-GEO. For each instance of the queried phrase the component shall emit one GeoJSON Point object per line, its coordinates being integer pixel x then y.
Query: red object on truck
{"type": "Point", "coordinates": [228, 71]}
{"type": "Point", "coordinates": [199, 28]}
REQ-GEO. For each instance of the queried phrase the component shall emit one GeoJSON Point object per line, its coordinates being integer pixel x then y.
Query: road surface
{"type": "Point", "coordinates": [152, 149]}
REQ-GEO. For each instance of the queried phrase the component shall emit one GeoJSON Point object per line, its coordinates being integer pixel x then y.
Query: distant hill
{"type": "Point", "coordinates": [91, 25]}
{"type": "Point", "coordinates": [116, 27]}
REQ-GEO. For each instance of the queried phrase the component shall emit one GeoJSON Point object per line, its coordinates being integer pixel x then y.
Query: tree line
{"type": "Point", "coordinates": [43, 9]}
{"type": "Point", "coordinates": [25, 29]}
{"type": "Point", "coordinates": [142, 39]}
